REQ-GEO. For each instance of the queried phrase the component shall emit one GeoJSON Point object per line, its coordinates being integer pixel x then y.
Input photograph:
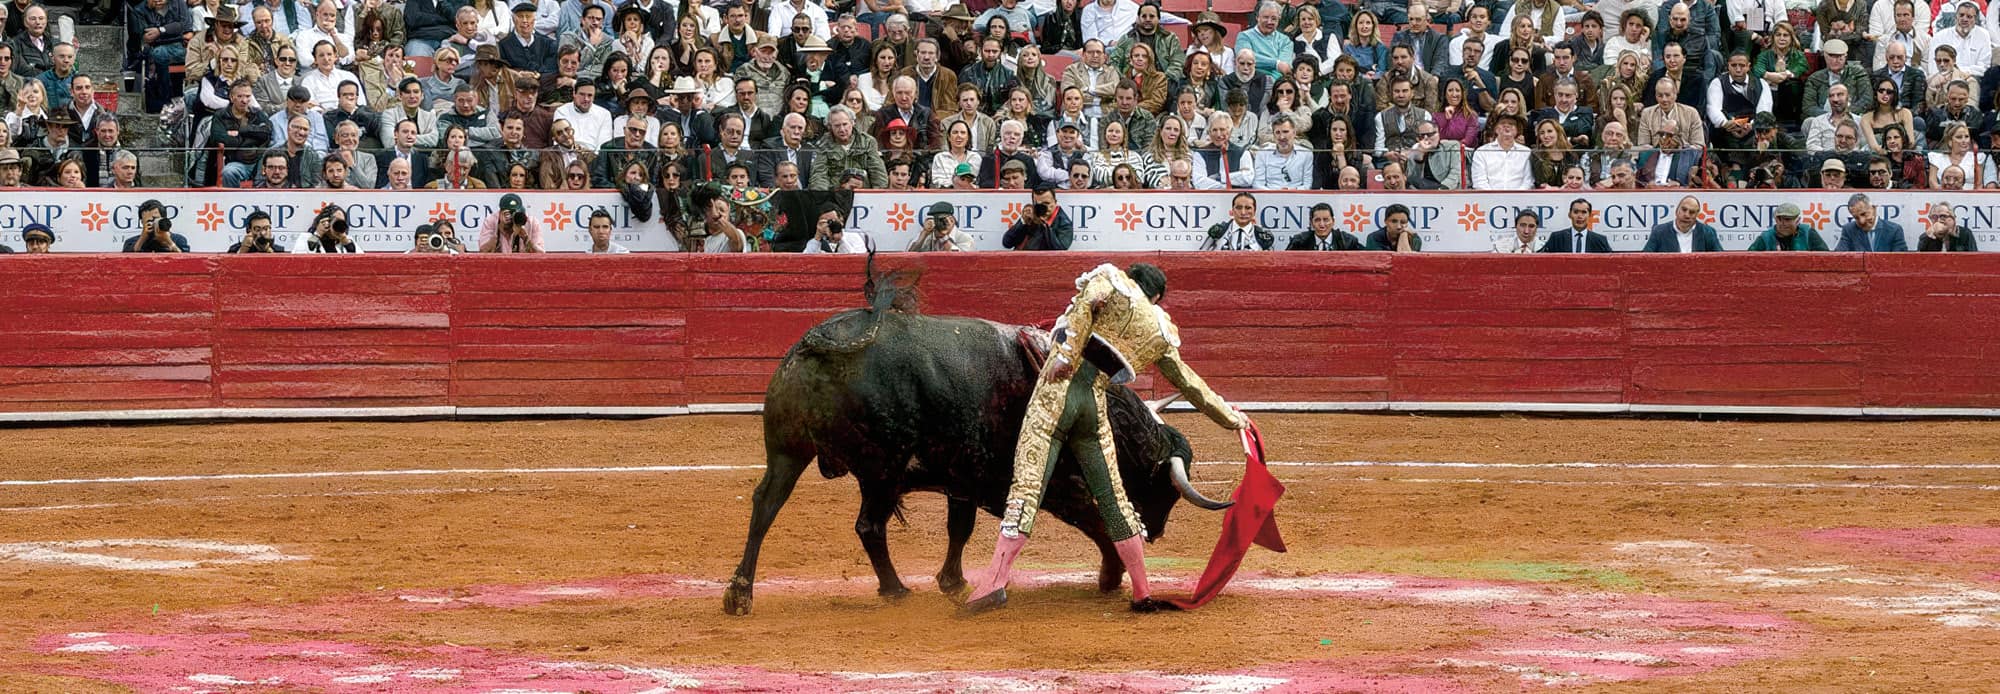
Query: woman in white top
{"type": "Point", "coordinates": [1958, 152]}
{"type": "Point", "coordinates": [717, 89]}
{"type": "Point", "coordinates": [1188, 109]}
{"type": "Point", "coordinates": [30, 102]}
{"type": "Point", "coordinates": [496, 17]}
{"type": "Point", "coordinates": [1309, 39]}
{"type": "Point", "coordinates": [957, 150]}
{"type": "Point", "coordinates": [874, 86]}
{"type": "Point", "coordinates": [1114, 152]}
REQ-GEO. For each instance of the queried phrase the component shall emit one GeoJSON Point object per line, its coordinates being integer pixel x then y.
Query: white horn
{"type": "Point", "coordinates": [1180, 475]}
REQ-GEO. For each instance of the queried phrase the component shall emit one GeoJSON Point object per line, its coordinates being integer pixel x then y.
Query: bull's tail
{"type": "Point", "coordinates": [853, 331]}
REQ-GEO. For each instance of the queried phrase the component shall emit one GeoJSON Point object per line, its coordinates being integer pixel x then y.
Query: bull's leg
{"type": "Point", "coordinates": [963, 514]}
{"type": "Point", "coordinates": [878, 503]}
{"type": "Point", "coordinates": [781, 472]}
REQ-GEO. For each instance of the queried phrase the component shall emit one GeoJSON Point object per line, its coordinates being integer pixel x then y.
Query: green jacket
{"type": "Point", "coordinates": [831, 161]}
{"type": "Point", "coordinates": [1807, 239]}
{"type": "Point", "coordinates": [1168, 56]}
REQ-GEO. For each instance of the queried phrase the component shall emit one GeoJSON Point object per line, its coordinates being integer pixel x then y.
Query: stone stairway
{"type": "Point", "coordinates": [102, 56]}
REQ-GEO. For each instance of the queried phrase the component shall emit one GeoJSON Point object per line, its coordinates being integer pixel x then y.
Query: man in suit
{"type": "Point", "coordinates": [1324, 237]}
{"type": "Point", "coordinates": [1424, 40]}
{"type": "Point", "coordinates": [1579, 123]}
{"type": "Point", "coordinates": [403, 145]}
{"type": "Point", "coordinates": [1686, 234]}
{"type": "Point", "coordinates": [1562, 65]}
{"type": "Point", "coordinates": [788, 146]}
{"type": "Point", "coordinates": [1435, 163]}
{"type": "Point", "coordinates": [1864, 231]}
{"type": "Point", "coordinates": [1241, 231]}
{"type": "Point", "coordinates": [1567, 240]}
{"type": "Point", "coordinates": [1669, 164]}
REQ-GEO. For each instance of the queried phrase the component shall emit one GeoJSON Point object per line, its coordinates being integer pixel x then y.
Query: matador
{"type": "Point", "coordinates": [1113, 323]}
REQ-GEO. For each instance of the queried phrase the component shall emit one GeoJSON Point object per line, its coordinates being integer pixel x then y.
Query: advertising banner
{"type": "Point", "coordinates": [1452, 221]}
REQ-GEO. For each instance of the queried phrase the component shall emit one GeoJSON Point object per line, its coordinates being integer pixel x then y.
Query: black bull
{"type": "Point", "coordinates": [909, 403]}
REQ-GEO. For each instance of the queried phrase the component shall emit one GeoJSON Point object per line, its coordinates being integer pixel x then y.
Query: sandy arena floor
{"type": "Point", "coordinates": [1428, 554]}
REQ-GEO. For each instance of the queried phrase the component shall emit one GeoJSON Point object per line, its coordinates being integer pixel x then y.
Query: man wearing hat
{"type": "Point", "coordinates": [1838, 70]}
{"type": "Point", "coordinates": [225, 30]}
{"type": "Point", "coordinates": [10, 168]}
{"type": "Point", "coordinates": [53, 146]}
{"type": "Point", "coordinates": [1833, 174]}
{"type": "Point", "coordinates": [769, 75]}
{"type": "Point", "coordinates": [1053, 161]}
{"type": "Point", "coordinates": [697, 126]}
{"type": "Point", "coordinates": [37, 238]}
{"type": "Point", "coordinates": [640, 103]}
{"type": "Point", "coordinates": [535, 118]}
{"type": "Point", "coordinates": [964, 177]}
{"type": "Point", "coordinates": [812, 70]}
{"type": "Point", "coordinates": [523, 49]}
{"type": "Point", "coordinates": [510, 229]}
{"type": "Point", "coordinates": [1787, 234]}
{"type": "Point", "coordinates": [940, 231]}
{"type": "Point", "coordinates": [299, 103]}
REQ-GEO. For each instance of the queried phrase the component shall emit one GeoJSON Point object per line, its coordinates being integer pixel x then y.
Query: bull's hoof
{"type": "Point", "coordinates": [892, 593]}
{"type": "Point", "coordinates": [1109, 578]}
{"type": "Point", "coordinates": [736, 600]}
{"type": "Point", "coordinates": [1150, 605]}
{"type": "Point", "coordinates": [993, 601]}
{"type": "Point", "coordinates": [951, 585]}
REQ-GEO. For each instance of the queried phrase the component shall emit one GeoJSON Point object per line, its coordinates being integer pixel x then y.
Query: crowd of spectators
{"type": "Point", "coordinates": [900, 94]}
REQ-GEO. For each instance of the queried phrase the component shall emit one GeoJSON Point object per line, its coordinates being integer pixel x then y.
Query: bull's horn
{"type": "Point", "coordinates": [1161, 404]}
{"type": "Point", "coordinates": [1180, 473]}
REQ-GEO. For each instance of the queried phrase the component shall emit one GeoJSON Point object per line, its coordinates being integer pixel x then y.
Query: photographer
{"type": "Point", "coordinates": [830, 236]}
{"type": "Point", "coordinates": [328, 235]}
{"type": "Point", "coordinates": [429, 239]}
{"type": "Point", "coordinates": [509, 230]}
{"type": "Point", "coordinates": [1043, 228]}
{"type": "Point", "coordinates": [156, 232]}
{"type": "Point", "coordinates": [447, 230]}
{"type": "Point", "coordinates": [256, 235]}
{"type": "Point", "coordinates": [941, 232]}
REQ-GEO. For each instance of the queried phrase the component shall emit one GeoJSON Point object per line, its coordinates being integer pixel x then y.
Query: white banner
{"type": "Point", "coordinates": [1455, 221]}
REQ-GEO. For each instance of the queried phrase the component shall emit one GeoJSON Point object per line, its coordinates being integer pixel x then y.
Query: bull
{"type": "Point", "coordinates": [907, 402]}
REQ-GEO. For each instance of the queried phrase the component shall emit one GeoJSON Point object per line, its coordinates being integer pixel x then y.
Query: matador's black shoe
{"type": "Point", "coordinates": [1150, 605]}
{"type": "Point", "coordinates": [993, 601]}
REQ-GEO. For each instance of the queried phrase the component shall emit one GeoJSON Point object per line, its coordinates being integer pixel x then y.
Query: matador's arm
{"type": "Point", "coordinates": [1197, 393]}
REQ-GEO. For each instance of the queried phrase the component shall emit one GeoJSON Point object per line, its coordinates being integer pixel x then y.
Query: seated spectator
{"type": "Point", "coordinates": [1240, 232]}
{"type": "Point", "coordinates": [1832, 174]}
{"type": "Point", "coordinates": [1668, 164]}
{"type": "Point", "coordinates": [1782, 67]}
{"type": "Point", "coordinates": [68, 173]}
{"type": "Point", "coordinates": [56, 80]}
{"type": "Point", "coordinates": [274, 171]}
{"type": "Point", "coordinates": [1503, 164]}
{"type": "Point", "coordinates": [265, 38]}
{"type": "Point", "coordinates": [10, 168]}
{"type": "Point", "coordinates": [1688, 121]}
{"type": "Point", "coordinates": [1527, 225]}
{"type": "Point", "coordinates": [591, 125]}
{"type": "Point", "coordinates": [324, 79]}
{"type": "Point", "coordinates": [349, 109]}
{"type": "Point", "coordinates": [1323, 236]}
{"type": "Point", "coordinates": [1578, 238]}
{"type": "Point", "coordinates": [257, 236]}
{"type": "Point", "coordinates": [224, 30]}
{"type": "Point", "coordinates": [1685, 234]}
{"type": "Point", "coordinates": [841, 149]}
{"type": "Point", "coordinates": [301, 160]}
{"type": "Point", "coordinates": [1943, 232]}
{"type": "Point", "coordinates": [33, 45]}
{"type": "Point", "coordinates": [1864, 231]}
{"type": "Point", "coordinates": [1053, 161]}
{"type": "Point", "coordinates": [1955, 151]}
{"type": "Point", "coordinates": [37, 238]}
{"type": "Point", "coordinates": [1395, 234]}
{"type": "Point", "coordinates": [399, 176]}
{"type": "Point", "coordinates": [1282, 165]}
{"type": "Point", "coordinates": [1222, 161]}
{"type": "Point", "coordinates": [158, 29]}
{"type": "Point", "coordinates": [298, 105]}
{"type": "Point", "coordinates": [1957, 109]}
{"type": "Point", "coordinates": [1011, 147]}
{"type": "Point", "coordinates": [1908, 78]}
{"type": "Point", "coordinates": [329, 25]}
{"type": "Point", "coordinates": [1970, 44]}
{"type": "Point", "coordinates": [1434, 162]}
{"type": "Point", "coordinates": [769, 76]}
{"type": "Point", "coordinates": [1787, 234]}
{"type": "Point", "coordinates": [459, 171]}
{"type": "Point", "coordinates": [522, 48]}
{"type": "Point", "coordinates": [1946, 74]}
{"type": "Point", "coordinates": [1107, 21]}
{"type": "Point", "coordinates": [940, 232]}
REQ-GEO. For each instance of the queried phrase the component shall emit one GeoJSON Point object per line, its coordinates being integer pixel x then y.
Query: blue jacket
{"type": "Point", "coordinates": [1561, 241]}
{"type": "Point", "coordinates": [1888, 236]}
{"type": "Point", "coordinates": [1665, 240]}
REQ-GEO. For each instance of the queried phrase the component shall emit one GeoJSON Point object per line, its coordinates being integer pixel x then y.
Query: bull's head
{"type": "Point", "coordinates": [1161, 456]}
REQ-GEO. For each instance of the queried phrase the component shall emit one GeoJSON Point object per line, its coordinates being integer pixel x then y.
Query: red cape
{"type": "Point", "coordinates": [1251, 521]}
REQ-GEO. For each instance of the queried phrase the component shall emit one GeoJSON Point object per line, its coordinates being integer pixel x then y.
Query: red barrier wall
{"type": "Point", "coordinates": [167, 332]}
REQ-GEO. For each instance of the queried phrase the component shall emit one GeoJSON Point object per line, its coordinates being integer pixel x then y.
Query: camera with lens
{"type": "Point", "coordinates": [339, 225]}
{"type": "Point", "coordinates": [520, 219]}
{"type": "Point", "coordinates": [1041, 210]}
{"type": "Point", "coordinates": [160, 224]}
{"type": "Point", "coordinates": [434, 241]}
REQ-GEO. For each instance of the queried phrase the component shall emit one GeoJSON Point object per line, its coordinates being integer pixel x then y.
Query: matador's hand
{"type": "Point", "coordinates": [1238, 421]}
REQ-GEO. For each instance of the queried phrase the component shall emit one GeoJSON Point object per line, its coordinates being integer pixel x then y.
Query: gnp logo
{"type": "Point", "coordinates": [1354, 217]}
{"type": "Point", "coordinates": [97, 216]}
{"type": "Point", "coordinates": [17, 215]}
{"type": "Point", "coordinates": [213, 217]}
{"type": "Point", "coordinates": [1131, 217]}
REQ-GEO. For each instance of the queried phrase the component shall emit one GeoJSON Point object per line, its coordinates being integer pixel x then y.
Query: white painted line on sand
{"type": "Point", "coordinates": [313, 495]}
{"type": "Point", "coordinates": [379, 473]}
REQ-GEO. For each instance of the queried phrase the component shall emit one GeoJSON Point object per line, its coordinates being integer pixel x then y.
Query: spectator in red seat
{"type": "Point", "coordinates": [1685, 234]}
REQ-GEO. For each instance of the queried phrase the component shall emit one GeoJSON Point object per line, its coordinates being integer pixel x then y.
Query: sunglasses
{"type": "Point", "coordinates": [1885, 90]}
{"type": "Point", "coordinates": [576, 177]}
{"type": "Point", "coordinates": [288, 60]}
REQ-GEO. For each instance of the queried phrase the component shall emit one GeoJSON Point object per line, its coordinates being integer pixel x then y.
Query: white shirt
{"type": "Point", "coordinates": [1276, 170]}
{"type": "Point", "coordinates": [1975, 49]}
{"type": "Point", "coordinates": [1882, 18]}
{"type": "Point", "coordinates": [592, 128]}
{"type": "Point", "coordinates": [1238, 238]}
{"type": "Point", "coordinates": [1109, 25]}
{"type": "Point", "coordinates": [1456, 49]}
{"type": "Point", "coordinates": [1511, 243]}
{"type": "Point", "coordinates": [305, 39]}
{"type": "Point", "coordinates": [611, 247]}
{"type": "Point", "coordinates": [782, 13]}
{"type": "Point", "coordinates": [1715, 86]}
{"type": "Point", "coordinates": [850, 242]}
{"type": "Point", "coordinates": [1686, 238]}
{"type": "Point", "coordinates": [1501, 168]}
{"type": "Point", "coordinates": [325, 87]}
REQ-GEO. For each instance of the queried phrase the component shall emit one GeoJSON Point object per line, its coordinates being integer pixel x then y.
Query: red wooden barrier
{"type": "Point", "coordinates": [178, 332]}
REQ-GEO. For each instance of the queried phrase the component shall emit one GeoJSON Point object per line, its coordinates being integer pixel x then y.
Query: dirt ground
{"type": "Point", "coordinates": [1427, 554]}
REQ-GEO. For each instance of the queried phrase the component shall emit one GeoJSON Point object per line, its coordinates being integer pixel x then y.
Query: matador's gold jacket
{"type": "Point", "coordinates": [1111, 309]}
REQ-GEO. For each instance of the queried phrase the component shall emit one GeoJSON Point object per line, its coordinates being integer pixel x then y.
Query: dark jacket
{"type": "Point", "coordinates": [172, 21]}
{"type": "Point", "coordinates": [1378, 240]}
{"type": "Point", "coordinates": [1025, 235]}
{"type": "Point", "coordinates": [1888, 236]}
{"type": "Point", "coordinates": [772, 153]}
{"type": "Point", "coordinates": [132, 244]}
{"type": "Point", "coordinates": [1564, 241]}
{"type": "Point", "coordinates": [989, 168]}
{"type": "Point", "coordinates": [430, 20]}
{"type": "Point", "coordinates": [538, 58]}
{"type": "Point", "coordinates": [1665, 240]}
{"type": "Point", "coordinates": [1807, 239]}
{"type": "Point", "coordinates": [242, 139]}
{"type": "Point", "coordinates": [1962, 243]}
{"type": "Point", "coordinates": [1306, 241]}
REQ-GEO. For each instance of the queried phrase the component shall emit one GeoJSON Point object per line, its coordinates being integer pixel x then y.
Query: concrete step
{"type": "Point", "coordinates": [142, 130]}
{"type": "Point", "coordinates": [103, 54]}
{"type": "Point", "coordinates": [160, 169]}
